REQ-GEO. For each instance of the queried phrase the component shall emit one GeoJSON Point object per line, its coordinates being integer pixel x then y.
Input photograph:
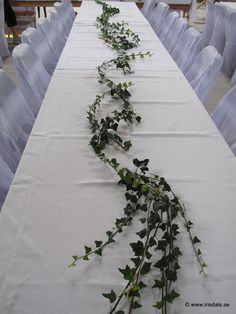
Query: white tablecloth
{"type": "Point", "coordinates": [63, 197]}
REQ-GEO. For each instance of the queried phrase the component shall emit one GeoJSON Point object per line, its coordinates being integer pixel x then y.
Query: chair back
{"type": "Point", "coordinates": [16, 121]}
{"type": "Point", "coordinates": [229, 54]}
{"type": "Point", "coordinates": [148, 8]}
{"type": "Point", "coordinates": [204, 71]}
{"type": "Point", "coordinates": [218, 38]}
{"type": "Point", "coordinates": [233, 79]}
{"type": "Point", "coordinates": [158, 16]}
{"type": "Point", "coordinates": [36, 40]}
{"type": "Point", "coordinates": [174, 33]}
{"type": "Point", "coordinates": [187, 47]}
{"type": "Point", "coordinates": [48, 31]}
{"type": "Point", "coordinates": [32, 75]}
{"type": "Point", "coordinates": [56, 20]}
{"type": "Point", "coordinates": [6, 176]}
{"type": "Point", "coordinates": [225, 118]}
{"type": "Point", "coordinates": [167, 23]}
{"type": "Point", "coordinates": [209, 25]}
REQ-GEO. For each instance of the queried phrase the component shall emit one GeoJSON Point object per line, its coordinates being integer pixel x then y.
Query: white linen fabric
{"type": "Point", "coordinates": [64, 17]}
{"type": "Point", "coordinates": [69, 10]}
{"type": "Point", "coordinates": [187, 47]}
{"type": "Point", "coordinates": [149, 6]}
{"type": "Point", "coordinates": [229, 59]}
{"type": "Point", "coordinates": [174, 33]}
{"type": "Point", "coordinates": [16, 121]}
{"type": "Point", "coordinates": [6, 177]}
{"type": "Point", "coordinates": [219, 31]}
{"type": "Point", "coordinates": [209, 25]}
{"type": "Point", "coordinates": [4, 51]}
{"type": "Point", "coordinates": [36, 40]}
{"type": "Point", "coordinates": [204, 71]}
{"type": "Point", "coordinates": [165, 26]}
{"type": "Point", "coordinates": [158, 16]}
{"type": "Point", "coordinates": [56, 20]}
{"type": "Point", "coordinates": [233, 79]}
{"type": "Point", "coordinates": [225, 117]}
{"type": "Point", "coordinates": [63, 197]}
{"type": "Point", "coordinates": [32, 75]}
{"type": "Point", "coordinates": [49, 32]}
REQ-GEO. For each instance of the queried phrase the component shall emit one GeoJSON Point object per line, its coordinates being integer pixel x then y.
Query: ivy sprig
{"type": "Point", "coordinates": [149, 195]}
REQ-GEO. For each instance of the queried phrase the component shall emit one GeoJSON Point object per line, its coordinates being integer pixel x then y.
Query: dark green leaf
{"type": "Point", "coordinates": [110, 296]}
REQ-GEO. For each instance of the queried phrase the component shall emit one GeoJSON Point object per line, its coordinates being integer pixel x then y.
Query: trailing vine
{"type": "Point", "coordinates": [149, 195]}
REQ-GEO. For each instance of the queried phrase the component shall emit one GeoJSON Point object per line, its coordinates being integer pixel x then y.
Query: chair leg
{"type": "Point", "coordinates": [38, 8]}
{"type": "Point", "coordinates": [45, 11]}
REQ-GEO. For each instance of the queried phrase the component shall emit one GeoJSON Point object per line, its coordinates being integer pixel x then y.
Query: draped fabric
{"type": "Point", "coordinates": [3, 43]}
{"type": "Point", "coordinates": [33, 77]}
{"type": "Point", "coordinates": [63, 197]}
{"type": "Point", "coordinates": [204, 71]}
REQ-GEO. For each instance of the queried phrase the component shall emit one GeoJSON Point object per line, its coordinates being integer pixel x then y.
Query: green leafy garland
{"type": "Point", "coordinates": [150, 195]}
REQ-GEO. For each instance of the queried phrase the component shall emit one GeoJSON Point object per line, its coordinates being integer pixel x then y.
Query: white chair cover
{"type": "Point", "coordinates": [209, 25]}
{"type": "Point", "coordinates": [229, 54]}
{"type": "Point", "coordinates": [151, 4]}
{"type": "Point", "coordinates": [6, 176]}
{"type": "Point", "coordinates": [233, 79]}
{"type": "Point", "coordinates": [233, 148]}
{"type": "Point", "coordinates": [175, 31]}
{"type": "Point", "coordinates": [186, 48]}
{"type": "Point", "coordinates": [158, 16]}
{"type": "Point", "coordinates": [56, 20]}
{"type": "Point", "coordinates": [34, 38]}
{"type": "Point", "coordinates": [167, 23]}
{"type": "Point", "coordinates": [69, 10]}
{"type": "Point", "coordinates": [218, 37]}
{"type": "Point", "coordinates": [48, 31]}
{"type": "Point", "coordinates": [3, 42]}
{"type": "Point", "coordinates": [204, 71]}
{"type": "Point", "coordinates": [65, 18]}
{"type": "Point", "coordinates": [225, 117]}
{"type": "Point", "coordinates": [33, 77]}
{"type": "Point", "coordinates": [16, 121]}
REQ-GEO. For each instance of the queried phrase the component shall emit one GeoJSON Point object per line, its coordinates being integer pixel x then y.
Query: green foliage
{"type": "Point", "coordinates": [149, 195]}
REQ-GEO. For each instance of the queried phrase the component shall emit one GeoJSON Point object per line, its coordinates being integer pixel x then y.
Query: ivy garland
{"type": "Point", "coordinates": [150, 195]}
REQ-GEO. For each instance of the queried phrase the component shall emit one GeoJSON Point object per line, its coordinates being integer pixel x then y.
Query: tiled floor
{"type": "Point", "coordinates": [220, 89]}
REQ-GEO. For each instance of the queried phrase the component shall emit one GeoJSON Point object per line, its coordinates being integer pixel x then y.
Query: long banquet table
{"type": "Point", "coordinates": [63, 197]}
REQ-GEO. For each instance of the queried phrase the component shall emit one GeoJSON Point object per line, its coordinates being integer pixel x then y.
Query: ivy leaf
{"type": "Point", "coordinates": [87, 249]}
{"type": "Point", "coordinates": [136, 305]}
{"type": "Point", "coordinates": [171, 275]}
{"type": "Point", "coordinates": [136, 261]}
{"type": "Point", "coordinates": [110, 296]}
{"type": "Point", "coordinates": [146, 268]}
{"type": "Point", "coordinates": [196, 240]}
{"type": "Point", "coordinates": [159, 284]}
{"type": "Point", "coordinates": [137, 247]}
{"type": "Point", "coordinates": [171, 296]}
{"type": "Point", "coordinates": [127, 272]}
{"type": "Point", "coordinates": [160, 305]}
{"type": "Point", "coordinates": [142, 285]}
{"type": "Point", "coordinates": [98, 243]}
{"type": "Point", "coordinates": [98, 252]}
{"type": "Point", "coordinates": [142, 233]}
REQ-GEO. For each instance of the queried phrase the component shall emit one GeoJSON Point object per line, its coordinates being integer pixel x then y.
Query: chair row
{"type": "Point", "coordinates": [35, 60]}
{"type": "Point", "coordinates": [200, 63]}
{"type": "Point", "coordinates": [201, 67]}
{"type": "Point", "coordinates": [220, 32]}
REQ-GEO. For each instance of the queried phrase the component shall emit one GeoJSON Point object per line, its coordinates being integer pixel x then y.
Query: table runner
{"type": "Point", "coordinates": [63, 197]}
